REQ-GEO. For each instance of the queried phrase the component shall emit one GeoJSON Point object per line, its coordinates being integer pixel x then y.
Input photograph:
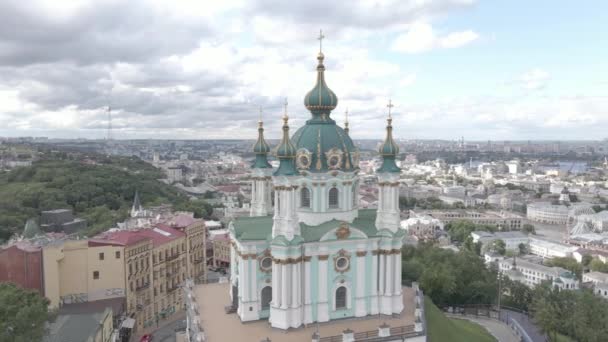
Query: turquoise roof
{"type": "Point", "coordinates": [320, 99]}
{"type": "Point", "coordinates": [389, 150]}
{"type": "Point", "coordinates": [318, 138]}
{"type": "Point", "coordinates": [261, 149]}
{"type": "Point", "coordinates": [260, 228]}
{"type": "Point", "coordinates": [321, 135]}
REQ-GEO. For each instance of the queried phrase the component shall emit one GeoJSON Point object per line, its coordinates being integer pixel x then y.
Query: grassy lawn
{"type": "Point", "coordinates": [562, 338]}
{"type": "Point", "coordinates": [443, 329]}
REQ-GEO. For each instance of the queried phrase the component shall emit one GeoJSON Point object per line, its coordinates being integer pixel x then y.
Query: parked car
{"type": "Point", "coordinates": [146, 338]}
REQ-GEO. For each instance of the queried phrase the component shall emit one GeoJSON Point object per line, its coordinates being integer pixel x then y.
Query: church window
{"type": "Point", "coordinates": [355, 196]}
{"type": "Point", "coordinates": [305, 197]}
{"type": "Point", "coordinates": [333, 198]}
{"type": "Point", "coordinates": [342, 263]}
{"type": "Point", "coordinates": [341, 298]}
{"type": "Point", "coordinates": [266, 263]}
{"type": "Point", "coordinates": [266, 297]}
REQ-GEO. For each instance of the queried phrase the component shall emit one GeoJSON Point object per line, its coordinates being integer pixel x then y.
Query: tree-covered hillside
{"type": "Point", "coordinates": [99, 189]}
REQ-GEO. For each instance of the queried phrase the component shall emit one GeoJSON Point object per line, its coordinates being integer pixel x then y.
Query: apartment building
{"type": "Point", "coordinates": [76, 271]}
{"type": "Point", "coordinates": [154, 268]}
{"type": "Point", "coordinates": [196, 237]}
{"type": "Point", "coordinates": [502, 220]}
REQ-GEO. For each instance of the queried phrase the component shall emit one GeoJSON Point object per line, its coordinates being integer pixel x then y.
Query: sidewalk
{"type": "Point", "coordinates": [180, 315]}
{"type": "Point", "coordinates": [496, 328]}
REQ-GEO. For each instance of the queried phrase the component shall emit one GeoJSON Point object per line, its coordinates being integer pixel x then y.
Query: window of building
{"type": "Point", "coordinates": [333, 197]}
{"type": "Point", "coordinates": [154, 258]}
{"type": "Point", "coordinates": [355, 195]}
{"type": "Point", "coordinates": [117, 254]}
{"type": "Point", "coordinates": [266, 263]}
{"type": "Point", "coordinates": [266, 297]}
{"type": "Point", "coordinates": [342, 263]}
{"type": "Point", "coordinates": [101, 256]}
{"type": "Point", "coordinates": [95, 274]}
{"type": "Point", "coordinates": [305, 197]}
{"type": "Point", "coordinates": [341, 298]}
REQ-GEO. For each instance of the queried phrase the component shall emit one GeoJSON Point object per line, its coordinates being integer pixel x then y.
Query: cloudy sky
{"type": "Point", "coordinates": [201, 69]}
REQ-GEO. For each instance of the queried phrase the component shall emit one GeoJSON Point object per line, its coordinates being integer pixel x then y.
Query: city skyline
{"type": "Point", "coordinates": [171, 72]}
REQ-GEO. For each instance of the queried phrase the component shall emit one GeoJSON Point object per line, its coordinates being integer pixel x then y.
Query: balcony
{"type": "Point", "coordinates": [142, 287]}
{"type": "Point", "coordinates": [172, 257]}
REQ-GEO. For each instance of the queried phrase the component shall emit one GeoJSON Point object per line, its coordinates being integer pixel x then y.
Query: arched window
{"type": "Point", "coordinates": [266, 297]}
{"type": "Point", "coordinates": [305, 198]}
{"type": "Point", "coordinates": [355, 195]}
{"type": "Point", "coordinates": [341, 298]}
{"type": "Point", "coordinates": [333, 198]}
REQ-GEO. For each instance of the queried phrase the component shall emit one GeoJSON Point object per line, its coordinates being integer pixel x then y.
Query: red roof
{"type": "Point", "coordinates": [228, 188]}
{"type": "Point", "coordinates": [159, 235]}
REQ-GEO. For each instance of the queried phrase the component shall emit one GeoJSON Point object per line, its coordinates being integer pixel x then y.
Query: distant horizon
{"type": "Point", "coordinates": [278, 139]}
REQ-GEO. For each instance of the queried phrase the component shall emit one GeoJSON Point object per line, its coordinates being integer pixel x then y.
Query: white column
{"type": "Point", "coordinates": [397, 274]}
{"type": "Point", "coordinates": [360, 309]}
{"type": "Point", "coordinates": [284, 286]}
{"type": "Point", "coordinates": [323, 305]}
{"type": "Point", "coordinates": [381, 289]}
{"type": "Point", "coordinates": [242, 278]}
{"type": "Point", "coordinates": [307, 287]}
{"type": "Point", "coordinates": [295, 285]}
{"type": "Point", "coordinates": [276, 287]}
{"type": "Point", "coordinates": [375, 279]}
{"type": "Point", "coordinates": [389, 275]}
{"type": "Point", "coordinates": [254, 281]}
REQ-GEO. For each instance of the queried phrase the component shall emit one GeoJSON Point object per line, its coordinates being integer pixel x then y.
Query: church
{"type": "Point", "coordinates": [307, 253]}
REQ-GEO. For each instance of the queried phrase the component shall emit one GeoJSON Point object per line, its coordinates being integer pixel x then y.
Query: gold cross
{"type": "Point", "coordinates": [320, 38]}
{"type": "Point", "coordinates": [260, 114]}
{"type": "Point", "coordinates": [285, 106]}
{"type": "Point", "coordinates": [346, 115]}
{"type": "Point", "coordinates": [390, 106]}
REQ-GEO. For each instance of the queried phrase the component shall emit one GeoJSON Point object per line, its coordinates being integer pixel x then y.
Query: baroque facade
{"type": "Point", "coordinates": [311, 254]}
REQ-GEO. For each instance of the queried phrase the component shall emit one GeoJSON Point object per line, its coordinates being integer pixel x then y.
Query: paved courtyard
{"type": "Point", "coordinates": [218, 326]}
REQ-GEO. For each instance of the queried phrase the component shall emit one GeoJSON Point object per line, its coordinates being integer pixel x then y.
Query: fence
{"type": "Point", "coordinates": [517, 320]}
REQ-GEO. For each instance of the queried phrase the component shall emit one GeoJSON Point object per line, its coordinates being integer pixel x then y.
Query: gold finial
{"type": "Point", "coordinates": [320, 38]}
{"type": "Point", "coordinates": [285, 116]}
{"type": "Point", "coordinates": [346, 120]}
{"type": "Point", "coordinates": [390, 106]}
{"type": "Point", "coordinates": [260, 119]}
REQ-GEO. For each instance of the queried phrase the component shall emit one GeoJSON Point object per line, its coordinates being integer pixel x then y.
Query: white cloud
{"type": "Point", "coordinates": [534, 79]}
{"type": "Point", "coordinates": [458, 39]}
{"type": "Point", "coordinates": [420, 37]}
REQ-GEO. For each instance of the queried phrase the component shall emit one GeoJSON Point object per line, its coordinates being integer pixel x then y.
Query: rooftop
{"type": "Point", "coordinates": [260, 227]}
{"type": "Point", "coordinates": [219, 326]}
{"type": "Point", "coordinates": [158, 236]}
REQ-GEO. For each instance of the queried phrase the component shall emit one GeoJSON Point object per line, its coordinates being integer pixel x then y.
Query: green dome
{"type": "Point", "coordinates": [321, 100]}
{"type": "Point", "coordinates": [322, 141]}
{"type": "Point", "coordinates": [261, 149]}
{"type": "Point", "coordinates": [321, 144]}
{"type": "Point", "coordinates": [389, 150]}
{"type": "Point", "coordinates": [286, 153]}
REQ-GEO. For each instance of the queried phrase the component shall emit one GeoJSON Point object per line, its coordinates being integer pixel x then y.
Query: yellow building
{"type": "Point", "coordinates": [75, 272]}
{"type": "Point", "coordinates": [146, 267]}
{"type": "Point", "coordinates": [155, 267]}
{"type": "Point", "coordinates": [196, 237]}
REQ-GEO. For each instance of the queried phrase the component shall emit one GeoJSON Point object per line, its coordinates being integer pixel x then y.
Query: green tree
{"type": "Point", "coordinates": [587, 258]}
{"type": "Point", "coordinates": [568, 263]}
{"type": "Point", "coordinates": [23, 314]}
{"type": "Point", "coordinates": [598, 266]}
{"type": "Point", "coordinates": [499, 246]}
{"type": "Point", "coordinates": [528, 229]}
{"type": "Point", "coordinates": [523, 249]}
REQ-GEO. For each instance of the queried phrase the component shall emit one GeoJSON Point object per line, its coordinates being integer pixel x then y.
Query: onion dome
{"type": "Point", "coordinates": [286, 153]}
{"type": "Point", "coordinates": [261, 149]}
{"type": "Point", "coordinates": [321, 100]}
{"type": "Point", "coordinates": [389, 149]}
